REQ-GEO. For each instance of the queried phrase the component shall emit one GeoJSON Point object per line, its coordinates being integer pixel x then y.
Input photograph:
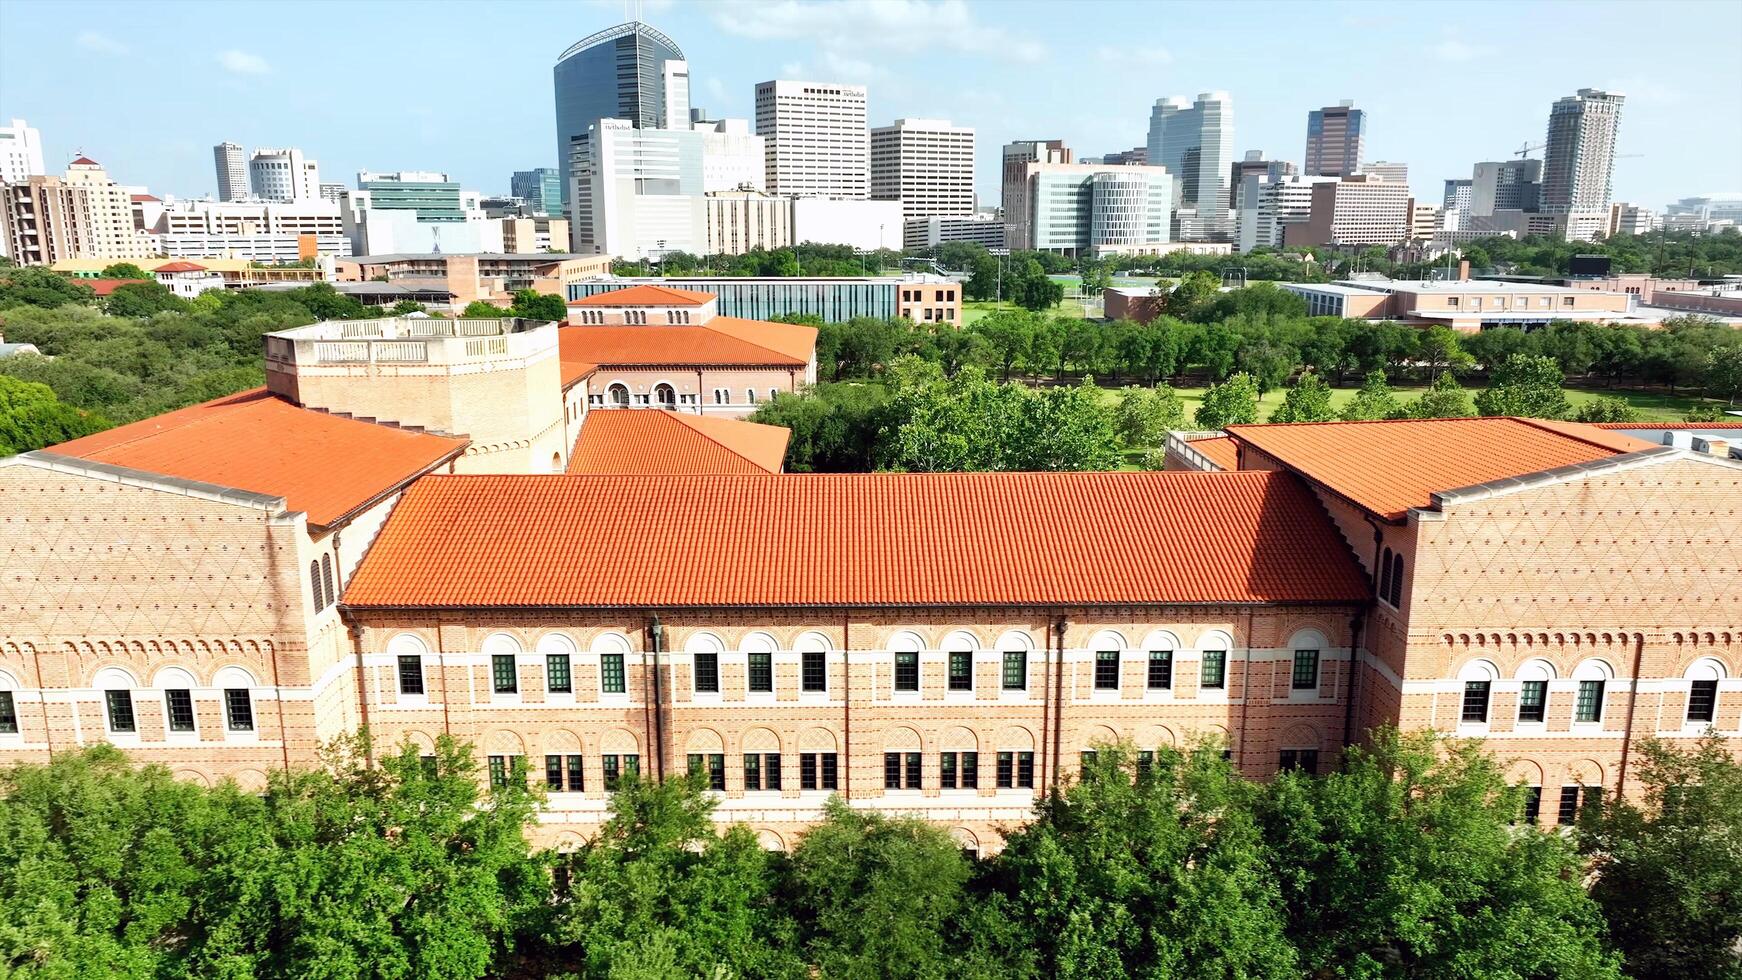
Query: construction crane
{"type": "Point", "coordinates": [1525, 149]}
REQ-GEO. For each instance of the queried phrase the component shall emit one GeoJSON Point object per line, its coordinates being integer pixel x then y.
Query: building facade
{"type": "Point", "coordinates": [629, 71]}
{"type": "Point", "coordinates": [835, 299]}
{"type": "Point", "coordinates": [232, 171]}
{"type": "Point", "coordinates": [1253, 165]}
{"type": "Point", "coordinates": [1018, 232]}
{"type": "Point", "coordinates": [1195, 142]}
{"type": "Point", "coordinates": [740, 221]}
{"type": "Point", "coordinates": [926, 164]}
{"type": "Point", "coordinates": [1336, 136]}
{"type": "Point", "coordinates": [981, 229]}
{"type": "Point", "coordinates": [1269, 205]}
{"type": "Point", "coordinates": [1505, 185]}
{"type": "Point", "coordinates": [1579, 155]}
{"type": "Point", "coordinates": [80, 215]}
{"type": "Point", "coordinates": [866, 226]}
{"type": "Point", "coordinates": [816, 139]}
{"type": "Point", "coordinates": [733, 157]}
{"type": "Point", "coordinates": [541, 188]}
{"type": "Point", "coordinates": [1466, 305]}
{"type": "Point", "coordinates": [1098, 209]}
{"type": "Point", "coordinates": [284, 175]}
{"type": "Point", "coordinates": [20, 152]}
{"type": "Point", "coordinates": [416, 211]}
{"type": "Point", "coordinates": [1360, 209]}
{"type": "Point", "coordinates": [636, 193]}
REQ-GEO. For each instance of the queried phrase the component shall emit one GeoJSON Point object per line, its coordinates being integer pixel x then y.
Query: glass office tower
{"type": "Point", "coordinates": [631, 72]}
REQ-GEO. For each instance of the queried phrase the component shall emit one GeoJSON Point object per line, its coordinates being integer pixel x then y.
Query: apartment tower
{"type": "Point", "coordinates": [232, 169]}
{"type": "Point", "coordinates": [284, 175]}
{"type": "Point", "coordinates": [20, 152]}
{"type": "Point", "coordinates": [817, 144]}
{"type": "Point", "coordinates": [926, 164]}
{"type": "Point", "coordinates": [1580, 157]}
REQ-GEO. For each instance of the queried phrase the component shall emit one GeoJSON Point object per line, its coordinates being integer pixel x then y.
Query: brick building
{"type": "Point", "coordinates": [946, 644]}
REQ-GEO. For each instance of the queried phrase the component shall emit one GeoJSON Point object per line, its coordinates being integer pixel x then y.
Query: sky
{"type": "Point", "coordinates": [147, 88]}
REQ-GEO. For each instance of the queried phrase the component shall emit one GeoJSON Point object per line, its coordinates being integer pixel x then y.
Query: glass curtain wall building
{"type": "Point", "coordinates": [631, 72]}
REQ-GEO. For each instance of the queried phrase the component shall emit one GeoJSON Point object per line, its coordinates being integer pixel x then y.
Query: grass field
{"type": "Point", "coordinates": [1652, 406]}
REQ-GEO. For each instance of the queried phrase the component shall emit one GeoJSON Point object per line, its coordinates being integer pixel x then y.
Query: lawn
{"type": "Point", "coordinates": [1652, 406]}
{"type": "Point", "coordinates": [974, 309]}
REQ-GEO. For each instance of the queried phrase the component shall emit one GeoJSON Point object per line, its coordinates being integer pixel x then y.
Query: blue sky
{"type": "Point", "coordinates": [147, 88]}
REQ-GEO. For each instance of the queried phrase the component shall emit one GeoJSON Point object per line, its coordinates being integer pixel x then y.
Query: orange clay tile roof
{"type": "Point", "coordinates": [325, 465]}
{"type": "Point", "coordinates": [1221, 450]}
{"type": "Point", "coordinates": [103, 287]}
{"type": "Point", "coordinates": [179, 267]}
{"type": "Point", "coordinates": [651, 441]}
{"type": "Point", "coordinates": [857, 539]}
{"type": "Point", "coordinates": [709, 345]}
{"type": "Point", "coordinates": [645, 294]}
{"type": "Point", "coordinates": [1729, 422]}
{"type": "Point", "coordinates": [1389, 467]}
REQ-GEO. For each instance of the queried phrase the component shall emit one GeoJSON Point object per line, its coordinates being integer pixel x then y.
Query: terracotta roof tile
{"type": "Point", "coordinates": [1221, 450]}
{"type": "Point", "coordinates": [180, 267]}
{"type": "Point", "coordinates": [103, 287]}
{"type": "Point", "coordinates": [85, 162]}
{"type": "Point", "coordinates": [703, 345]}
{"type": "Point", "coordinates": [862, 539]}
{"type": "Point", "coordinates": [1727, 423]}
{"type": "Point", "coordinates": [1389, 467]}
{"type": "Point", "coordinates": [324, 465]}
{"type": "Point", "coordinates": [651, 441]}
{"type": "Point", "coordinates": [645, 294]}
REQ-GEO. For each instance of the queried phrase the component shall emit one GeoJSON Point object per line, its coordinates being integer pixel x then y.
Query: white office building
{"type": "Point", "coordinates": [1389, 171]}
{"type": "Point", "coordinates": [1019, 158]}
{"type": "Point", "coordinates": [926, 164]}
{"type": "Point", "coordinates": [283, 175]}
{"type": "Point", "coordinates": [733, 157]}
{"type": "Point", "coordinates": [817, 143]}
{"type": "Point", "coordinates": [636, 193]}
{"type": "Point", "coordinates": [1195, 142]}
{"type": "Point", "coordinates": [740, 221]}
{"type": "Point", "coordinates": [416, 211]}
{"type": "Point", "coordinates": [985, 228]}
{"type": "Point", "coordinates": [259, 231]}
{"type": "Point", "coordinates": [231, 165]}
{"type": "Point", "coordinates": [1269, 205]}
{"type": "Point", "coordinates": [20, 152]}
{"type": "Point", "coordinates": [1092, 209]}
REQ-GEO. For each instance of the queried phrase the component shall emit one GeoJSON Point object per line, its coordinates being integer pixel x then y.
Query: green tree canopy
{"type": "Point", "coordinates": [1374, 400]}
{"type": "Point", "coordinates": [534, 305]}
{"type": "Point", "coordinates": [31, 417]}
{"type": "Point", "coordinates": [1233, 402]}
{"type": "Point", "coordinates": [142, 299]}
{"type": "Point", "coordinates": [1606, 410]}
{"type": "Point", "coordinates": [1028, 285]}
{"type": "Point", "coordinates": [37, 286]}
{"type": "Point", "coordinates": [480, 310]}
{"type": "Point", "coordinates": [1444, 399]}
{"type": "Point", "coordinates": [1308, 401]}
{"type": "Point", "coordinates": [1526, 385]}
{"type": "Point", "coordinates": [126, 270]}
{"type": "Point", "coordinates": [1144, 416]}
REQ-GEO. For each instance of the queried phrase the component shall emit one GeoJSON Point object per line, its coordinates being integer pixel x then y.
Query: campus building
{"type": "Point", "coordinates": [920, 298]}
{"type": "Point", "coordinates": [1467, 305]}
{"type": "Point", "coordinates": [222, 588]}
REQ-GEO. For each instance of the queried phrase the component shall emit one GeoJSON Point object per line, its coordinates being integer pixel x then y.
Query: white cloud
{"type": "Point", "coordinates": [1456, 51]}
{"type": "Point", "coordinates": [847, 29]}
{"type": "Point", "coordinates": [243, 63]}
{"type": "Point", "coordinates": [101, 43]}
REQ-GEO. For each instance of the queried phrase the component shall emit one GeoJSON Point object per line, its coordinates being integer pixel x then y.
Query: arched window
{"type": "Point", "coordinates": [617, 395]}
{"type": "Point", "coordinates": [238, 687]}
{"type": "Point", "coordinates": [1396, 596]}
{"type": "Point", "coordinates": [959, 659]}
{"type": "Point", "coordinates": [1478, 677]}
{"type": "Point", "coordinates": [813, 662]}
{"type": "Point", "coordinates": [1593, 677]}
{"type": "Point", "coordinates": [1533, 678]}
{"type": "Point", "coordinates": [1384, 590]}
{"type": "Point", "coordinates": [327, 577]}
{"type": "Point", "coordinates": [1108, 648]}
{"type": "Point", "coordinates": [117, 687]}
{"type": "Point", "coordinates": [906, 648]}
{"type": "Point", "coordinates": [759, 651]}
{"type": "Point", "coordinates": [665, 396]}
{"type": "Point", "coordinates": [314, 584]}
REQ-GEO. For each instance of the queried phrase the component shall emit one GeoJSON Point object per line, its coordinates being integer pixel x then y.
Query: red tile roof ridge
{"type": "Point", "coordinates": [645, 294]}
{"type": "Point", "coordinates": [1728, 423]}
{"type": "Point", "coordinates": [1572, 430]}
{"type": "Point", "coordinates": [725, 433]}
{"type": "Point", "coordinates": [656, 442]}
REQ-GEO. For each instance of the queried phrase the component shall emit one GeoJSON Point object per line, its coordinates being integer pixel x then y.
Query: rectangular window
{"type": "Point", "coordinates": [1160, 670]}
{"type": "Point", "coordinates": [717, 772]}
{"type": "Point", "coordinates": [498, 772]}
{"type": "Point", "coordinates": [1590, 703]}
{"type": "Point", "coordinates": [947, 770]}
{"type": "Point", "coordinates": [970, 770]}
{"type": "Point", "coordinates": [411, 675]}
{"type": "Point", "coordinates": [813, 671]}
{"type": "Point", "coordinates": [807, 770]}
{"type": "Point", "coordinates": [1006, 770]}
{"type": "Point", "coordinates": [1306, 670]}
{"type": "Point", "coordinates": [961, 670]}
{"type": "Point", "coordinates": [1533, 701]}
{"type": "Point", "coordinates": [762, 672]}
{"type": "Point", "coordinates": [771, 770]}
{"type": "Point", "coordinates": [611, 673]}
{"type": "Point", "coordinates": [120, 711]}
{"type": "Point", "coordinates": [1025, 770]}
{"type": "Point", "coordinates": [238, 709]}
{"type": "Point", "coordinates": [892, 770]}
{"type": "Point", "coordinates": [1106, 670]}
{"type": "Point", "coordinates": [612, 769]}
{"type": "Point", "coordinates": [707, 670]}
{"type": "Point", "coordinates": [1213, 672]}
{"type": "Point", "coordinates": [1475, 701]}
{"type": "Point", "coordinates": [1087, 761]}
{"type": "Point", "coordinates": [913, 771]}
{"type": "Point", "coordinates": [1145, 762]}
{"type": "Point", "coordinates": [181, 710]}
{"type": "Point", "coordinates": [1703, 701]}
{"type": "Point", "coordinates": [503, 677]}
{"type": "Point", "coordinates": [577, 774]}
{"type": "Point", "coordinates": [556, 670]}
{"type": "Point", "coordinates": [830, 771]}
{"type": "Point", "coordinates": [1569, 809]}
{"type": "Point", "coordinates": [1015, 670]}
{"type": "Point", "coordinates": [553, 772]}
{"type": "Point", "coordinates": [8, 714]}
{"type": "Point", "coordinates": [752, 771]}
{"type": "Point", "coordinates": [1532, 804]}
{"type": "Point", "coordinates": [907, 671]}
{"type": "Point", "coordinates": [1306, 760]}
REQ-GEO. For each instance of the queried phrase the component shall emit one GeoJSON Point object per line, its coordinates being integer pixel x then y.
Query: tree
{"type": "Point", "coordinates": [1233, 402]}
{"type": "Point", "coordinates": [1439, 347]}
{"type": "Point", "coordinates": [534, 305]}
{"type": "Point", "coordinates": [1147, 868]}
{"type": "Point", "coordinates": [1374, 400]}
{"type": "Point", "coordinates": [1308, 401]}
{"type": "Point", "coordinates": [1405, 864]}
{"type": "Point", "coordinates": [1031, 288]}
{"type": "Point", "coordinates": [37, 286]}
{"type": "Point", "coordinates": [1144, 416]}
{"type": "Point", "coordinates": [480, 310]}
{"type": "Point", "coordinates": [1009, 334]}
{"type": "Point", "coordinates": [1724, 373]}
{"type": "Point", "coordinates": [1194, 297]}
{"type": "Point", "coordinates": [31, 417]}
{"type": "Point", "coordinates": [876, 895]}
{"type": "Point", "coordinates": [126, 270]}
{"type": "Point", "coordinates": [1526, 385]}
{"type": "Point", "coordinates": [1062, 428]}
{"type": "Point", "coordinates": [1703, 413]}
{"type": "Point", "coordinates": [835, 428]}
{"type": "Point", "coordinates": [405, 306]}
{"type": "Point", "coordinates": [142, 299]}
{"type": "Point", "coordinates": [1606, 410]}
{"type": "Point", "coordinates": [327, 303]}
{"type": "Point", "coordinates": [1669, 868]}
{"type": "Point", "coordinates": [1444, 399]}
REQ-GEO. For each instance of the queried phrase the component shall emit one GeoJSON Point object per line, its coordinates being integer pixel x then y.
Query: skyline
{"type": "Point", "coordinates": [996, 68]}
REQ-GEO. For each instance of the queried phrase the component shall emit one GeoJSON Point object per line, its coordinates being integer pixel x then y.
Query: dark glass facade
{"type": "Point", "coordinates": [617, 73]}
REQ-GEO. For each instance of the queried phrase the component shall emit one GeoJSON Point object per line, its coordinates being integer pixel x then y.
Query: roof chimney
{"type": "Point", "coordinates": [1716, 447]}
{"type": "Point", "coordinates": [1463, 270]}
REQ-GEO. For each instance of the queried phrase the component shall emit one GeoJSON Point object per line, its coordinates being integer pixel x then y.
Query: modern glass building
{"type": "Point", "coordinates": [433, 196]}
{"type": "Point", "coordinates": [833, 299]}
{"type": "Point", "coordinates": [542, 189]}
{"type": "Point", "coordinates": [631, 72]}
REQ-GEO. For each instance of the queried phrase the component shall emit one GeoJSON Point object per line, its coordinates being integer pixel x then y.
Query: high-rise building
{"type": "Point", "coordinates": [636, 193]}
{"type": "Point", "coordinates": [541, 188]}
{"type": "Point", "coordinates": [630, 72]}
{"type": "Point", "coordinates": [1094, 209]}
{"type": "Point", "coordinates": [1017, 158]}
{"type": "Point", "coordinates": [416, 211]}
{"type": "Point", "coordinates": [1195, 142]}
{"type": "Point", "coordinates": [284, 175]}
{"type": "Point", "coordinates": [816, 140]}
{"type": "Point", "coordinates": [1397, 173]}
{"type": "Point", "coordinates": [332, 192]}
{"type": "Point", "coordinates": [1458, 196]}
{"type": "Point", "coordinates": [232, 167]}
{"type": "Point", "coordinates": [733, 157]}
{"type": "Point", "coordinates": [1136, 156]}
{"type": "Point", "coordinates": [1504, 185]}
{"type": "Point", "coordinates": [1579, 154]}
{"type": "Point", "coordinates": [926, 164]}
{"type": "Point", "coordinates": [1335, 135]}
{"type": "Point", "coordinates": [1360, 209]}
{"type": "Point", "coordinates": [1268, 205]}
{"type": "Point", "coordinates": [82, 215]}
{"type": "Point", "coordinates": [1254, 163]}
{"type": "Point", "coordinates": [1630, 219]}
{"type": "Point", "coordinates": [20, 152]}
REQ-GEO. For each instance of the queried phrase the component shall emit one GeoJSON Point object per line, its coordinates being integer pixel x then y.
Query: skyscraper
{"type": "Point", "coordinates": [1195, 142]}
{"type": "Point", "coordinates": [1580, 157]}
{"type": "Point", "coordinates": [1334, 137]}
{"type": "Point", "coordinates": [1504, 185]}
{"type": "Point", "coordinates": [284, 175]}
{"type": "Point", "coordinates": [631, 72]}
{"type": "Point", "coordinates": [816, 139]}
{"type": "Point", "coordinates": [1254, 164]}
{"type": "Point", "coordinates": [232, 172]}
{"type": "Point", "coordinates": [1018, 231]}
{"type": "Point", "coordinates": [542, 188]}
{"type": "Point", "coordinates": [926, 164]}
